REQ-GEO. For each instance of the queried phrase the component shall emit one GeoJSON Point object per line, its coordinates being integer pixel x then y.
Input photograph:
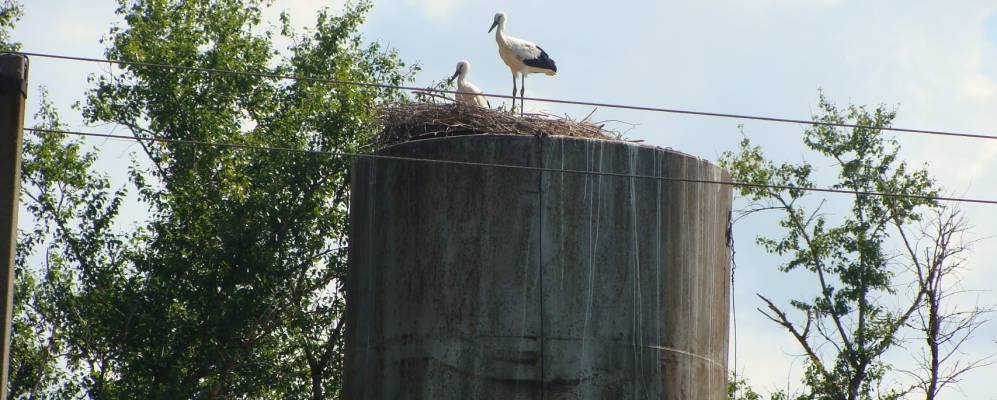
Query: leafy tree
{"type": "Point", "coordinates": [846, 327]}
{"type": "Point", "coordinates": [52, 180]}
{"type": "Point", "coordinates": [35, 342]}
{"type": "Point", "coordinates": [739, 389]}
{"type": "Point", "coordinates": [231, 288]}
{"type": "Point", "coordinates": [10, 13]}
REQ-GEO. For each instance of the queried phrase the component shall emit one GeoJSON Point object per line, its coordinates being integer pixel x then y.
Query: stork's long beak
{"type": "Point", "coordinates": [457, 72]}
{"type": "Point", "coordinates": [494, 24]}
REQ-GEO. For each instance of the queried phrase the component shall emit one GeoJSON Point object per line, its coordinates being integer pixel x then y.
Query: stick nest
{"type": "Point", "coordinates": [423, 120]}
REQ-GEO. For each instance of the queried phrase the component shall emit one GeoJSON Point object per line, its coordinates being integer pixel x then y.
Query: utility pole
{"type": "Point", "coordinates": [13, 90]}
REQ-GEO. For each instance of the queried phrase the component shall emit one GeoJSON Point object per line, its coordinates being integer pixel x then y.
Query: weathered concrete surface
{"type": "Point", "coordinates": [472, 282]}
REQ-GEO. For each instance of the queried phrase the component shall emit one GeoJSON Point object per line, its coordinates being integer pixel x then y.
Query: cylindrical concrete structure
{"type": "Point", "coordinates": [473, 282]}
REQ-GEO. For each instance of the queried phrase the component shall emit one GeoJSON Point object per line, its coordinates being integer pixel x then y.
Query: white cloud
{"type": "Point", "coordinates": [436, 9]}
{"type": "Point", "coordinates": [941, 80]}
{"type": "Point", "coordinates": [978, 87]}
{"type": "Point", "coordinates": [302, 12]}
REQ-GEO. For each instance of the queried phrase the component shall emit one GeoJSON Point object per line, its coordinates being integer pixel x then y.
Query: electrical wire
{"type": "Point", "coordinates": [518, 167]}
{"type": "Point", "coordinates": [538, 99]}
{"type": "Point", "coordinates": [539, 169]}
{"type": "Point", "coordinates": [733, 302]}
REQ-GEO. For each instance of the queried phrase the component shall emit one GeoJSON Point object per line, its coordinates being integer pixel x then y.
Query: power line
{"type": "Point", "coordinates": [188, 142]}
{"type": "Point", "coordinates": [538, 99]}
{"type": "Point", "coordinates": [517, 167]}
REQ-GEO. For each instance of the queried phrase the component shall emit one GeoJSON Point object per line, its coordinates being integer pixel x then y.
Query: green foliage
{"type": "Point", "coordinates": [232, 287]}
{"type": "Point", "coordinates": [10, 13]}
{"type": "Point", "coordinates": [847, 257]}
{"type": "Point", "coordinates": [740, 389]}
{"type": "Point", "coordinates": [56, 191]}
{"type": "Point", "coordinates": [36, 342]}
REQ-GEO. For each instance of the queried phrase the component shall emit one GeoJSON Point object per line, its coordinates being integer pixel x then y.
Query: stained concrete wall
{"type": "Point", "coordinates": [470, 282]}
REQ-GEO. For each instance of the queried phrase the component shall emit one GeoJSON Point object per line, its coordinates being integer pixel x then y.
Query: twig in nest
{"type": "Point", "coordinates": [420, 120]}
{"type": "Point", "coordinates": [590, 115]}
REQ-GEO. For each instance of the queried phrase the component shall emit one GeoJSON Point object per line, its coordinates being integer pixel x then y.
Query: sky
{"type": "Point", "coordinates": [935, 62]}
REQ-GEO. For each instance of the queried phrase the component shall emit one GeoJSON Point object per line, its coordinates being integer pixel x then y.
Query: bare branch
{"type": "Point", "coordinates": [781, 319]}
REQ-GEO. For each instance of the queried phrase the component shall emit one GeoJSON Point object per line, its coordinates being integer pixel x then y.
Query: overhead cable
{"type": "Point", "coordinates": [518, 167]}
{"type": "Point", "coordinates": [538, 99]}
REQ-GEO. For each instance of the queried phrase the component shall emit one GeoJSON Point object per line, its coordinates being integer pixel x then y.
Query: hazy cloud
{"type": "Point", "coordinates": [436, 9]}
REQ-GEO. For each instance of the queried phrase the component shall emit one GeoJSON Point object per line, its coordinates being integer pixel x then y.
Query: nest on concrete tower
{"type": "Point", "coordinates": [409, 121]}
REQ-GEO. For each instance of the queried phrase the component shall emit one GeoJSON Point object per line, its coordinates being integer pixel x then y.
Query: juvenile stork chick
{"type": "Point", "coordinates": [522, 57]}
{"type": "Point", "coordinates": [467, 92]}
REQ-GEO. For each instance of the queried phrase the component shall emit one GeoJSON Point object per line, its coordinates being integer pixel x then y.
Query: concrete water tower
{"type": "Point", "coordinates": [471, 282]}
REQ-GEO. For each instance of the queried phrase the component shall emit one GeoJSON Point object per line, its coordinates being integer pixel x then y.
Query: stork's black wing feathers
{"type": "Point", "coordinates": [544, 61]}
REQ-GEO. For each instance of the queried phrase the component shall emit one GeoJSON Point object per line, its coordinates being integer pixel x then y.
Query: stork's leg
{"type": "Point", "coordinates": [522, 91]}
{"type": "Point", "coordinates": [512, 109]}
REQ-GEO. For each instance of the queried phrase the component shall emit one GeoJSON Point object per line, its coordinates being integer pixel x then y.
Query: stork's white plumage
{"type": "Point", "coordinates": [522, 57]}
{"type": "Point", "coordinates": [467, 92]}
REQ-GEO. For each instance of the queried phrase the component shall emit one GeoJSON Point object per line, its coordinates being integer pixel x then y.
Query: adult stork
{"type": "Point", "coordinates": [521, 56]}
{"type": "Point", "coordinates": [467, 92]}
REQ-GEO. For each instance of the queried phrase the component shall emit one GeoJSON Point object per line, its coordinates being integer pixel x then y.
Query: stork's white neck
{"type": "Point", "coordinates": [500, 33]}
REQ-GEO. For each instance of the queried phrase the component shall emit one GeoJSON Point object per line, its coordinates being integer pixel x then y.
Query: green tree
{"type": "Point", "coordinates": [10, 13]}
{"type": "Point", "coordinates": [231, 288]}
{"type": "Point", "coordinates": [740, 389]}
{"type": "Point", "coordinates": [35, 343]}
{"type": "Point", "coordinates": [53, 177]}
{"type": "Point", "coordinates": [850, 323]}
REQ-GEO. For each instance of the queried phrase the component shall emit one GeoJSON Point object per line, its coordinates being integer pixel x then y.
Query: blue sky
{"type": "Point", "coordinates": [937, 63]}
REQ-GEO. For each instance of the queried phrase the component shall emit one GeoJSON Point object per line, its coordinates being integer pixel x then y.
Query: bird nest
{"type": "Point", "coordinates": [417, 120]}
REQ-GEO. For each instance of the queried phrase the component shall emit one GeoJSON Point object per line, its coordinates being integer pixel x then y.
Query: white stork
{"type": "Point", "coordinates": [521, 56]}
{"type": "Point", "coordinates": [467, 92]}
